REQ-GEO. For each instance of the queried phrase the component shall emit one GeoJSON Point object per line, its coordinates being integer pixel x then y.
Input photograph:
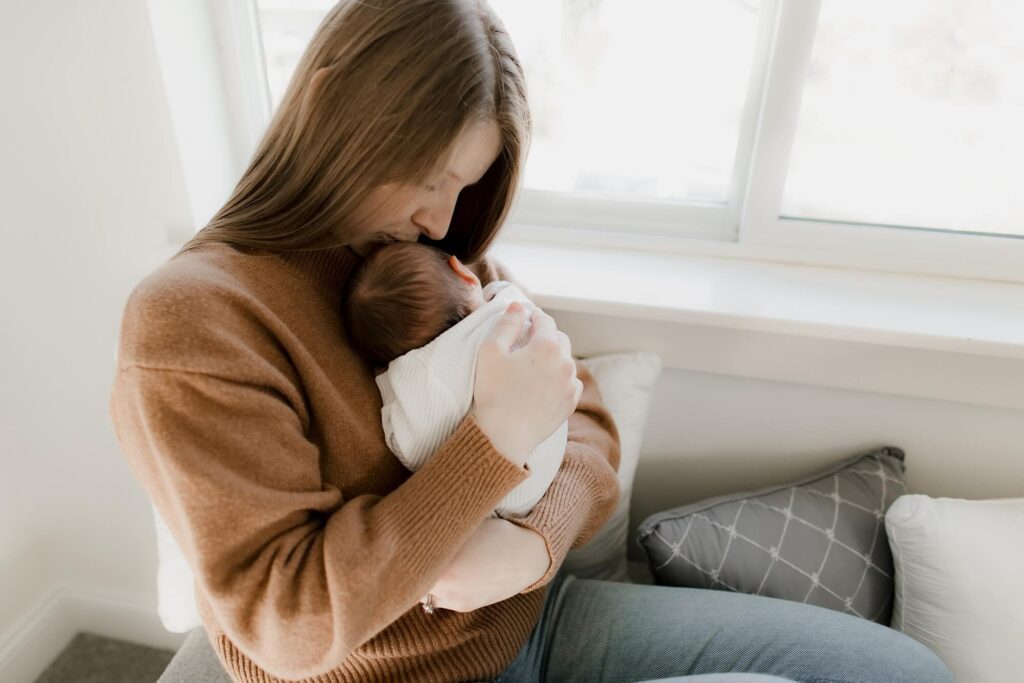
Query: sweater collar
{"type": "Point", "coordinates": [328, 269]}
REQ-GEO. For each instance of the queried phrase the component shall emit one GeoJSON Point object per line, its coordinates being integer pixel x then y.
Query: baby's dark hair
{"type": "Point", "coordinates": [402, 296]}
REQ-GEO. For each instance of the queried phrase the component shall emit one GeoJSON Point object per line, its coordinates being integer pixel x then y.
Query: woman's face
{"type": "Point", "coordinates": [403, 212]}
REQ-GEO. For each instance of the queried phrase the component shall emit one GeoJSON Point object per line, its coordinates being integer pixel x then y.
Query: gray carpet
{"type": "Point", "coordinates": [94, 659]}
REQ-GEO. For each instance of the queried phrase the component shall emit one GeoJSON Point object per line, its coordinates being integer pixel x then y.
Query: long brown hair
{"type": "Point", "coordinates": [380, 95]}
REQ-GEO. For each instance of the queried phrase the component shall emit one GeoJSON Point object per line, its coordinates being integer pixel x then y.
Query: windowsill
{"type": "Point", "coordinates": [964, 332]}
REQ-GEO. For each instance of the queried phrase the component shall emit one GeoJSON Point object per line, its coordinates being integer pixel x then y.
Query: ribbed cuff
{"type": "Point", "coordinates": [567, 512]}
{"type": "Point", "coordinates": [456, 488]}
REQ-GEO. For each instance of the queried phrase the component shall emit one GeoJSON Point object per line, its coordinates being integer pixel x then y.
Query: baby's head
{"type": "Point", "coordinates": [403, 295]}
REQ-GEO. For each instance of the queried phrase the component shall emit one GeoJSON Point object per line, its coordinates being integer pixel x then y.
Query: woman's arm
{"type": "Point", "coordinates": [295, 574]}
{"type": "Point", "coordinates": [585, 490]}
{"type": "Point", "coordinates": [498, 561]}
{"type": "Point", "coordinates": [509, 556]}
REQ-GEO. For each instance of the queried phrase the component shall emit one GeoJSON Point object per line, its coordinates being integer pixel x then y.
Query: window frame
{"type": "Point", "coordinates": [887, 247]}
{"type": "Point", "coordinates": [748, 226]}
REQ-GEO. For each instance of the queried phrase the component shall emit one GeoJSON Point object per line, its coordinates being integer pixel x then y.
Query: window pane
{"type": "Point", "coordinates": [630, 98]}
{"type": "Point", "coordinates": [287, 27]}
{"type": "Point", "coordinates": [911, 116]}
{"type": "Point", "coordinates": [637, 98]}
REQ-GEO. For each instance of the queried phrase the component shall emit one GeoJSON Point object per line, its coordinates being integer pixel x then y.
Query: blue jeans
{"type": "Point", "coordinates": [620, 632]}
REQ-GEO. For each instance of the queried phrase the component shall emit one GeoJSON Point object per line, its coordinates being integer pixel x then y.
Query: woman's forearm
{"type": "Point", "coordinates": [498, 561]}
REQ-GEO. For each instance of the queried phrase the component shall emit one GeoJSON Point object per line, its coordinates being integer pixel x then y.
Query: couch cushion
{"type": "Point", "coordinates": [626, 382]}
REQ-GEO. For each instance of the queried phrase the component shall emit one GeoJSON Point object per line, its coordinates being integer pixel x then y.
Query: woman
{"type": "Point", "coordinates": [255, 428]}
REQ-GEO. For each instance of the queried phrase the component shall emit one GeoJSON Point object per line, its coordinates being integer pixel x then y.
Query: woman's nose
{"type": "Point", "coordinates": [433, 230]}
{"type": "Point", "coordinates": [434, 221]}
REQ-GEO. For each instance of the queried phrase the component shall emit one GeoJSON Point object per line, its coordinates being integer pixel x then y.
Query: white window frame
{"type": "Point", "coordinates": [896, 248]}
{"type": "Point", "coordinates": [652, 218]}
{"type": "Point", "coordinates": [748, 227]}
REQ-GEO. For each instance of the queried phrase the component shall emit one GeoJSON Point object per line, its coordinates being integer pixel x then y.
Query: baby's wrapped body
{"type": "Point", "coordinates": [427, 392]}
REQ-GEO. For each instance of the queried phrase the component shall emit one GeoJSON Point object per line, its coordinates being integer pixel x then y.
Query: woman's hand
{"type": "Point", "coordinates": [521, 397]}
{"type": "Point", "coordinates": [498, 561]}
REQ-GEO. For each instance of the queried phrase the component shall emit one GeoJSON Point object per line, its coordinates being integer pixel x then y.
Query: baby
{"type": "Point", "coordinates": [422, 313]}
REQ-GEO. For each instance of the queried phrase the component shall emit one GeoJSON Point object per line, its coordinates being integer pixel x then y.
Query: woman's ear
{"type": "Point", "coordinates": [462, 271]}
{"type": "Point", "coordinates": [315, 88]}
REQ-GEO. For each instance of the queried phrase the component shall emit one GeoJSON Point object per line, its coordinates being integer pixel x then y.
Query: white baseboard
{"type": "Point", "coordinates": [29, 646]}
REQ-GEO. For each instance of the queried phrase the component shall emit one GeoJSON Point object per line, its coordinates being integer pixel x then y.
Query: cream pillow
{"type": "Point", "coordinates": [958, 582]}
{"type": "Point", "coordinates": [626, 382]}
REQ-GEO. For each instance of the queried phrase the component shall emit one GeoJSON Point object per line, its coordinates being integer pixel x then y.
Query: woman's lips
{"type": "Point", "coordinates": [385, 237]}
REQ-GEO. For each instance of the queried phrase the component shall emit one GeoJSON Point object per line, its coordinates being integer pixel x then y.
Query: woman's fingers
{"type": "Point", "coordinates": [509, 327]}
{"type": "Point", "coordinates": [544, 328]}
{"type": "Point", "coordinates": [563, 341]}
{"type": "Point", "coordinates": [543, 324]}
{"type": "Point", "coordinates": [521, 397]}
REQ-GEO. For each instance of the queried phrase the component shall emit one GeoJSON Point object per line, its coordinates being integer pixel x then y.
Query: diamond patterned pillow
{"type": "Point", "coordinates": [820, 540]}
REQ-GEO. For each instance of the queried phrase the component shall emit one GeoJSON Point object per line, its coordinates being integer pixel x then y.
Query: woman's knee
{"type": "Point", "coordinates": [809, 643]}
{"type": "Point", "coordinates": [910, 660]}
{"type": "Point", "coordinates": [854, 650]}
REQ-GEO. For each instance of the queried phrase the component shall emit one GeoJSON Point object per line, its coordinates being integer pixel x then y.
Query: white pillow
{"type": "Point", "coordinates": [958, 581]}
{"type": "Point", "coordinates": [626, 382]}
{"type": "Point", "coordinates": [176, 601]}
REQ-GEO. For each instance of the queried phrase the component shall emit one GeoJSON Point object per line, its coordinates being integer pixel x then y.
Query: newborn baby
{"type": "Point", "coordinates": [422, 313]}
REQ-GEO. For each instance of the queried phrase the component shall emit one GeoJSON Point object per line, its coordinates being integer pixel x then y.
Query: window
{"type": "Point", "coordinates": [636, 103]}
{"type": "Point", "coordinates": [870, 133]}
{"type": "Point", "coordinates": [909, 113]}
{"type": "Point", "coordinates": [615, 94]}
{"type": "Point", "coordinates": [286, 27]}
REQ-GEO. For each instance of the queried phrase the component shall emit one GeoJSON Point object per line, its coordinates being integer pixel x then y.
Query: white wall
{"type": "Point", "coordinates": [89, 183]}
{"type": "Point", "coordinates": [89, 179]}
{"type": "Point", "coordinates": [712, 434]}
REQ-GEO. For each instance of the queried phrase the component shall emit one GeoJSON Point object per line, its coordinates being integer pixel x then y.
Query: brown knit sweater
{"type": "Point", "coordinates": [255, 429]}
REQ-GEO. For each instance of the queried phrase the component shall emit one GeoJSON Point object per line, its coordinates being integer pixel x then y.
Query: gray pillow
{"type": "Point", "coordinates": [820, 540]}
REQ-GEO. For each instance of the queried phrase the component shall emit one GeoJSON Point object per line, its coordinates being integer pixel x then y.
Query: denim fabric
{"type": "Point", "coordinates": [598, 631]}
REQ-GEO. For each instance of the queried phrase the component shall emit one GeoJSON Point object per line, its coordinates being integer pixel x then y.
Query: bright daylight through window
{"type": "Point", "coordinates": [910, 113]}
{"type": "Point", "coordinates": [623, 106]}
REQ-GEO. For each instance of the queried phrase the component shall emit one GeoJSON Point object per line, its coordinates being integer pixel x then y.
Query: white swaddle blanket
{"type": "Point", "coordinates": [428, 391]}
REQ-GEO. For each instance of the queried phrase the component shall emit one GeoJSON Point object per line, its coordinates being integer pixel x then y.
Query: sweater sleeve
{"type": "Point", "coordinates": [585, 490]}
{"type": "Point", "coordinates": [296, 575]}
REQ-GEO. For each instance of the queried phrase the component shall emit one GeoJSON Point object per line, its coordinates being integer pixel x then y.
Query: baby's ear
{"type": "Point", "coordinates": [462, 271]}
